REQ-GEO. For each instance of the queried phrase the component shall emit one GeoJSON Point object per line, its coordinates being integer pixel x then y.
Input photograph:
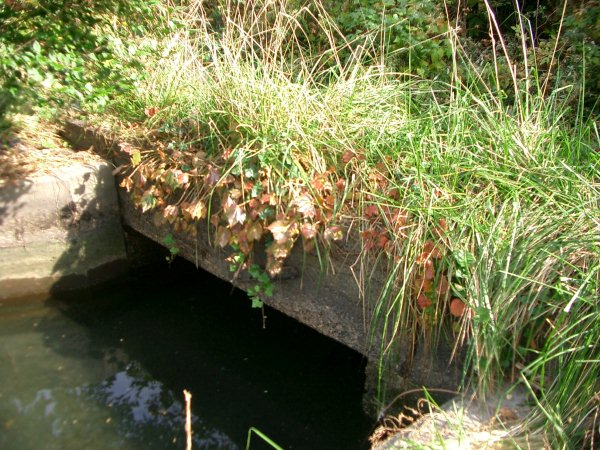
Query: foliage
{"type": "Point", "coordinates": [57, 52]}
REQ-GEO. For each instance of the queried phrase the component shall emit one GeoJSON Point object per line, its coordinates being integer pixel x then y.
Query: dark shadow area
{"type": "Point", "coordinates": [184, 329]}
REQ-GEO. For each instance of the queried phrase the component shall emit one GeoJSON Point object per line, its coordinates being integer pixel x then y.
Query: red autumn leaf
{"type": "Point", "coordinates": [371, 211]}
{"type": "Point", "coordinates": [423, 258]}
{"type": "Point", "coordinates": [329, 201]}
{"type": "Point", "coordinates": [368, 234]}
{"type": "Point", "coordinates": [382, 241]}
{"type": "Point", "coordinates": [333, 233]}
{"type": "Point", "coordinates": [443, 225]}
{"type": "Point", "coordinates": [429, 270]}
{"type": "Point", "coordinates": [151, 111]}
{"type": "Point", "coordinates": [420, 284]}
{"type": "Point", "coordinates": [347, 156]}
{"type": "Point", "coordinates": [318, 182]}
{"type": "Point", "coordinates": [443, 286]}
{"type": "Point", "coordinates": [423, 302]}
{"type": "Point", "coordinates": [265, 198]}
{"type": "Point", "coordinates": [457, 307]}
{"type": "Point", "coordinates": [340, 184]}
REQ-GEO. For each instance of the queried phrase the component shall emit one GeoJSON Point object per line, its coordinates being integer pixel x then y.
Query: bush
{"type": "Point", "coordinates": [54, 52]}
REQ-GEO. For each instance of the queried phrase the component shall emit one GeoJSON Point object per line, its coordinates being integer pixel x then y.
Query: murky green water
{"type": "Point", "coordinates": [106, 370]}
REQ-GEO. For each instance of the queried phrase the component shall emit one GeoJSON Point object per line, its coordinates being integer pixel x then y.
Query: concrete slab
{"type": "Point", "coordinates": [60, 229]}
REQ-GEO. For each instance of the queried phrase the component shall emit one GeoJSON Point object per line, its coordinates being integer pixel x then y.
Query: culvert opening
{"type": "Point", "coordinates": [106, 367]}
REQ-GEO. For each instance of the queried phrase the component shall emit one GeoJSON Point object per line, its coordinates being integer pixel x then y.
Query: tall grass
{"type": "Point", "coordinates": [484, 212]}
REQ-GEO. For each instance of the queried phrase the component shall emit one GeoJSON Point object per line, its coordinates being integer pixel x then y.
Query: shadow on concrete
{"type": "Point", "coordinates": [90, 217]}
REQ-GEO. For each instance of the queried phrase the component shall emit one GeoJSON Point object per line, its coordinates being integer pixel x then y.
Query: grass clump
{"type": "Point", "coordinates": [482, 212]}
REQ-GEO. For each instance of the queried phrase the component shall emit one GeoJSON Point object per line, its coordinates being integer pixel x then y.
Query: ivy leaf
{"type": "Point", "coordinates": [280, 230]}
{"type": "Point", "coordinates": [223, 236]}
{"type": "Point", "coordinates": [148, 202]}
{"type": "Point", "coordinates": [333, 233]}
{"type": "Point", "coordinates": [254, 231]}
{"type": "Point", "coordinates": [305, 206]}
{"type": "Point", "coordinates": [257, 302]}
{"type": "Point", "coordinates": [233, 212]}
{"type": "Point", "coordinates": [136, 158]}
{"type": "Point", "coordinates": [308, 230]}
{"type": "Point", "coordinates": [197, 210]}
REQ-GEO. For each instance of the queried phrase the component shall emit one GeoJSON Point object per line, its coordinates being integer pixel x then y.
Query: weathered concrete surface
{"type": "Point", "coordinates": [60, 229]}
{"type": "Point", "coordinates": [468, 422]}
{"type": "Point", "coordinates": [323, 294]}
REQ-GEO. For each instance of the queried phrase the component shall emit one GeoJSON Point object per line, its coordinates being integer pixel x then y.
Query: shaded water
{"type": "Point", "coordinates": [106, 370]}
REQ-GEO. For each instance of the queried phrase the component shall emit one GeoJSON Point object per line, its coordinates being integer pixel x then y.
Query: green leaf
{"type": "Point", "coordinates": [136, 158]}
{"type": "Point", "coordinates": [257, 302]}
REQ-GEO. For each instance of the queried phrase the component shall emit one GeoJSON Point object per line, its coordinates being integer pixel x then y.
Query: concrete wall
{"type": "Point", "coordinates": [60, 229]}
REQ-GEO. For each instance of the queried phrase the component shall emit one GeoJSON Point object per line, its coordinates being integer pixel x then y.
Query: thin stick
{"type": "Point", "coordinates": [188, 419]}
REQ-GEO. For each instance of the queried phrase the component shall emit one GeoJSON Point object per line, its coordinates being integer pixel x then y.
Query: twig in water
{"type": "Point", "coordinates": [188, 419]}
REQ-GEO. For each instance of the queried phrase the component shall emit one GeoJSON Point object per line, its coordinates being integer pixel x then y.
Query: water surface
{"type": "Point", "coordinates": [106, 370]}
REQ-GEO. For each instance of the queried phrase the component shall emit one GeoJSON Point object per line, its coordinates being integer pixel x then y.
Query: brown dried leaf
{"type": "Point", "coordinates": [283, 230]}
{"type": "Point", "coordinates": [371, 211]}
{"type": "Point", "coordinates": [223, 236]}
{"type": "Point", "coordinates": [254, 231]}
{"type": "Point", "coordinates": [197, 210]}
{"type": "Point", "coordinates": [233, 212]}
{"type": "Point", "coordinates": [273, 266]}
{"type": "Point", "coordinates": [333, 233]}
{"type": "Point", "coordinates": [308, 230]}
{"type": "Point", "coordinates": [151, 111]}
{"type": "Point", "coordinates": [305, 206]}
{"type": "Point", "coordinates": [170, 212]}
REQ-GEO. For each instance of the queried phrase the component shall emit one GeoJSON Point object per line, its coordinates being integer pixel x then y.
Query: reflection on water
{"type": "Point", "coordinates": [106, 370]}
